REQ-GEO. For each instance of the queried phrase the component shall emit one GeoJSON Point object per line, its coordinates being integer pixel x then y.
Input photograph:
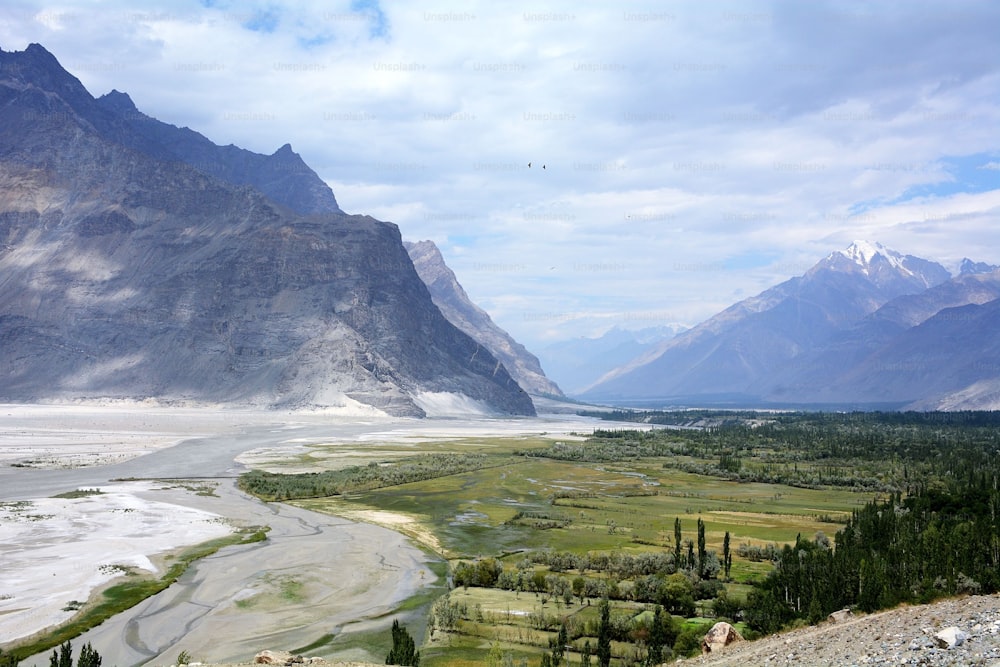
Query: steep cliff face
{"type": "Point", "coordinates": [125, 274]}
{"type": "Point", "coordinates": [456, 305]}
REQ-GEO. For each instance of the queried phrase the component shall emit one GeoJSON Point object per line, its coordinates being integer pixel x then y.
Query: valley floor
{"type": "Point", "coordinates": [316, 578]}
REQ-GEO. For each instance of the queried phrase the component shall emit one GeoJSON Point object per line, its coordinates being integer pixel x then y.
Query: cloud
{"type": "Point", "coordinates": [693, 154]}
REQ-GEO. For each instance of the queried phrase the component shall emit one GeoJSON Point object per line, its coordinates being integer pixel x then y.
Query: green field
{"type": "Point", "coordinates": [515, 505]}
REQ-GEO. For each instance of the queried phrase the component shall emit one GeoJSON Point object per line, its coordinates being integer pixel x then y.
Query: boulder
{"type": "Point", "coordinates": [721, 635]}
{"type": "Point", "coordinates": [277, 658]}
{"type": "Point", "coordinates": [839, 616]}
{"type": "Point", "coordinates": [950, 637]}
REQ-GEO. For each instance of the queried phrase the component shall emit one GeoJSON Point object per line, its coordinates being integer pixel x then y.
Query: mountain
{"type": "Point", "coordinates": [450, 297]}
{"type": "Point", "coordinates": [729, 356]}
{"type": "Point", "coordinates": [579, 362]}
{"type": "Point", "coordinates": [127, 271]}
{"type": "Point", "coordinates": [813, 377]}
{"type": "Point", "coordinates": [968, 266]}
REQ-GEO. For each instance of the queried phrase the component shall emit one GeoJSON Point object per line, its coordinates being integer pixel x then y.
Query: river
{"type": "Point", "coordinates": [315, 576]}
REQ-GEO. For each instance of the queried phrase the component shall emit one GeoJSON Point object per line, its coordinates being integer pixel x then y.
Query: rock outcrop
{"type": "Point", "coordinates": [269, 657]}
{"type": "Point", "coordinates": [720, 636]}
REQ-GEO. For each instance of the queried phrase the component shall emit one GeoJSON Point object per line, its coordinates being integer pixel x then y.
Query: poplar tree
{"type": "Point", "coordinates": [702, 553]}
{"type": "Point", "coordinates": [677, 543]}
{"type": "Point", "coordinates": [727, 555]}
{"type": "Point", "coordinates": [604, 635]}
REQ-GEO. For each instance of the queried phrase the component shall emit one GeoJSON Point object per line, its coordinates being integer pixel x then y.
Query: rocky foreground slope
{"type": "Point", "coordinates": [903, 636]}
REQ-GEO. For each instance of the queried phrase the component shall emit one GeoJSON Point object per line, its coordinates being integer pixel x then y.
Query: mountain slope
{"type": "Point", "coordinates": [813, 376]}
{"type": "Point", "coordinates": [127, 275]}
{"type": "Point", "coordinates": [949, 361]}
{"type": "Point", "coordinates": [456, 306]}
{"type": "Point", "coordinates": [729, 355]}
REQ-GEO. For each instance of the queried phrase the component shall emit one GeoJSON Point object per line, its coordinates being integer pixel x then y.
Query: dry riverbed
{"type": "Point", "coordinates": [314, 579]}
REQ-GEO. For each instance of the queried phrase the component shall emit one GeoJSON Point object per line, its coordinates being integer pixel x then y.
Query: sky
{"type": "Point", "coordinates": [683, 155]}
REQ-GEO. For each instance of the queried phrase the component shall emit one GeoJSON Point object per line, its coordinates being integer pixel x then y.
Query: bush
{"type": "Point", "coordinates": [688, 642]}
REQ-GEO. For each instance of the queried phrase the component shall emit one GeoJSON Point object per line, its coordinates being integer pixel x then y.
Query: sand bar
{"type": "Point", "coordinates": [57, 551]}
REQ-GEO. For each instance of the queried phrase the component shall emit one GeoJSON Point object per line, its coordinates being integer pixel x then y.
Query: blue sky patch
{"type": "Point", "coordinates": [263, 21]}
{"type": "Point", "coordinates": [967, 174]}
{"type": "Point", "coordinates": [378, 23]}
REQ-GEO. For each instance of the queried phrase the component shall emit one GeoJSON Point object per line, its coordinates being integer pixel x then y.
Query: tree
{"type": "Point", "coordinates": [727, 555]}
{"type": "Point", "coordinates": [8, 660]}
{"type": "Point", "coordinates": [579, 588]}
{"type": "Point", "coordinates": [496, 655]}
{"type": "Point", "coordinates": [677, 542]}
{"type": "Point", "coordinates": [676, 594]}
{"type": "Point", "coordinates": [604, 635]}
{"type": "Point", "coordinates": [657, 639]}
{"type": "Point", "coordinates": [585, 654]}
{"type": "Point", "coordinates": [701, 549]}
{"type": "Point", "coordinates": [764, 612]}
{"type": "Point", "coordinates": [88, 657]}
{"type": "Point", "coordinates": [559, 646]}
{"type": "Point", "coordinates": [404, 651]}
{"type": "Point", "coordinates": [724, 607]}
{"type": "Point", "coordinates": [64, 657]}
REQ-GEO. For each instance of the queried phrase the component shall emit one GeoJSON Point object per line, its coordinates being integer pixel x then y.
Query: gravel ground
{"type": "Point", "coordinates": [903, 636]}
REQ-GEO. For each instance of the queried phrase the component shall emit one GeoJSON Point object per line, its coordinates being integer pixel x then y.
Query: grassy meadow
{"type": "Point", "coordinates": [536, 503]}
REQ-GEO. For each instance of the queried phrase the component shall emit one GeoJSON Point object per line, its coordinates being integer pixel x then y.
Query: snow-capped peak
{"type": "Point", "coordinates": [863, 253]}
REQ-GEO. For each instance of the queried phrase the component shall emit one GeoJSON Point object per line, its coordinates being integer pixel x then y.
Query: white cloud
{"type": "Point", "coordinates": [692, 154]}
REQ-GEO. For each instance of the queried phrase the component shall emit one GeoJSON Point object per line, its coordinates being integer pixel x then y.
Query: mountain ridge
{"type": "Point", "coordinates": [449, 295]}
{"type": "Point", "coordinates": [732, 351]}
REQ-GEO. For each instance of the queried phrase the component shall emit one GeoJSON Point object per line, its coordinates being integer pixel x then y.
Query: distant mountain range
{"type": "Point", "coordinates": [139, 260]}
{"type": "Point", "coordinates": [865, 327]}
{"type": "Point", "coordinates": [579, 362]}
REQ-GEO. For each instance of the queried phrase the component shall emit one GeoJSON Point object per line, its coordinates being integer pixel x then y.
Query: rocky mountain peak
{"type": "Point", "coordinates": [864, 253]}
{"type": "Point", "coordinates": [37, 67]}
{"type": "Point", "coordinates": [884, 267]}
{"type": "Point", "coordinates": [968, 267]}
{"type": "Point", "coordinates": [119, 102]}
